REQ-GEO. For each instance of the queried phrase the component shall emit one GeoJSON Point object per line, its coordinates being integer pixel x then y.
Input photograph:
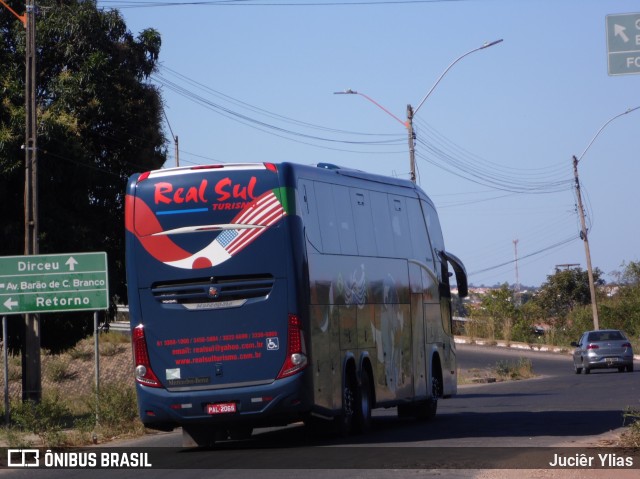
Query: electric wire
{"type": "Point", "coordinates": [446, 155]}
{"type": "Point", "coordinates": [267, 3]}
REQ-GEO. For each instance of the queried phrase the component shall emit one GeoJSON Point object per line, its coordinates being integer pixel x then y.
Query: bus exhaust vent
{"type": "Point", "coordinates": [214, 293]}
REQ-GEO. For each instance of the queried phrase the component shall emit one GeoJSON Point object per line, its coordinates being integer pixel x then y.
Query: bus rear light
{"type": "Point", "coordinates": [271, 167]}
{"type": "Point", "coordinates": [143, 371]}
{"type": "Point", "coordinates": [296, 359]}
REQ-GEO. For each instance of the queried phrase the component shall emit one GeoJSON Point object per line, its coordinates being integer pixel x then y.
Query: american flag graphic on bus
{"type": "Point", "coordinates": [253, 220]}
{"type": "Point", "coordinates": [263, 212]}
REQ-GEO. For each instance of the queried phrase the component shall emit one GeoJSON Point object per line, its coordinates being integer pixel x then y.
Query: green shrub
{"type": "Point", "coordinates": [117, 410]}
{"type": "Point", "coordinates": [45, 419]}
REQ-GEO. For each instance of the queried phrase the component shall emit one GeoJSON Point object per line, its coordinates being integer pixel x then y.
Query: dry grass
{"type": "Point", "coordinates": [501, 371]}
{"type": "Point", "coordinates": [66, 414]}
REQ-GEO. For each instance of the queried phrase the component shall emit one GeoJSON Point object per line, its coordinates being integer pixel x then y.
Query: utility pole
{"type": "Point", "coordinates": [585, 239]}
{"type": "Point", "coordinates": [583, 232]}
{"type": "Point", "coordinates": [412, 143]}
{"type": "Point", "coordinates": [31, 381]}
{"type": "Point", "coordinates": [175, 139]}
{"type": "Point", "coordinates": [177, 150]}
{"type": "Point", "coordinates": [516, 289]}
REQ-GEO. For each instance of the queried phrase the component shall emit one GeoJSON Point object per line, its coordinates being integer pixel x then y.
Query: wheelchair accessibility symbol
{"type": "Point", "coordinates": [273, 344]}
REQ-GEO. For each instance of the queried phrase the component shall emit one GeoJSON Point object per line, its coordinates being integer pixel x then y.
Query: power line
{"type": "Point", "coordinates": [530, 255]}
{"type": "Point", "coordinates": [162, 79]}
{"type": "Point", "coordinates": [267, 3]}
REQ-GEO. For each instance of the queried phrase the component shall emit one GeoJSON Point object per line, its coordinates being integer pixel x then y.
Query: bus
{"type": "Point", "coordinates": [266, 294]}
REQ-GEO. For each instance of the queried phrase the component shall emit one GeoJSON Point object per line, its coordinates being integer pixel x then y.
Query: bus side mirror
{"type": "Point", "coordinates": [459, 270]}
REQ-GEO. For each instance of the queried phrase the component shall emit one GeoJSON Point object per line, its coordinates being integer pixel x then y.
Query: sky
{"type": "Point", "coordinates": [254, 80]}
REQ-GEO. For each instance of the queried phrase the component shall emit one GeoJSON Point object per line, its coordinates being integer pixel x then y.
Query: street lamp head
{"type": "Point", "coordinates": [490, 44]}
{"type": "Point", "coordinates": [348, 91]}
{"type": "Point", "coordinates": [486, 45]}
{"type": "Point", "coordinates": [629, 110]}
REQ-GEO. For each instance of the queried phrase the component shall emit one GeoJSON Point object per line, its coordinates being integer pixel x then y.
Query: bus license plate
{"type": "Point", "coordinates": [221, 408]}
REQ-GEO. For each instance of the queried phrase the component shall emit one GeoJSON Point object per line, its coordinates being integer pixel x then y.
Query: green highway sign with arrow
{"type": "Point", "coordinates": [53, 283]}
{"type": "Point", "coordinates": [623, 43]}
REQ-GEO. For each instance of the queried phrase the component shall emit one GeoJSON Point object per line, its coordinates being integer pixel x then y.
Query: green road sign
{"type": "Point", "coordinates": [53, 283]}
{"type": "Point", "coordinates": [623, 43]}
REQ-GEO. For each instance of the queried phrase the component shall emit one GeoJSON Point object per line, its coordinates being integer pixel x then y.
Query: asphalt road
{"type": "Point", "coordinates": [558, 407]}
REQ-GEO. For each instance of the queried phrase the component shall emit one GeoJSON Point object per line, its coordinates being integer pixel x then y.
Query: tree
{"type": "Point", "coordinates": [99, 121]}
{"type": "Point", "coordinates": [563, 292]}
{"type": "Point", "coordinates": [631, 274]}
{"type": "Point", "coordinates": [497, 313]}
{"type": "Point", "coordinates": [621, 309]}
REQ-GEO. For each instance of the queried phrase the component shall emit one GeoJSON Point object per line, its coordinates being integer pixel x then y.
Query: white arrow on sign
{"type": "Point", "coordinates": [10, 304]}
{"type": "Point", "coordinates": [619, 31]}
{"type": "Point", "coordinates": [71, 263]}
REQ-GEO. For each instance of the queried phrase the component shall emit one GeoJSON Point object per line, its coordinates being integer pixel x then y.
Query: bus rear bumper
{"type": "Point", "coordinates": [280, 402]}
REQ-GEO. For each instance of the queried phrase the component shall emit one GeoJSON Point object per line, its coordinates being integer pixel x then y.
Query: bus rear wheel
{"type": "Point", "coordinates": [198, 436]}
{"type": "Point", "coordinates": [364, 404]}
{"type": "Point", "coordinates": [344, 421]}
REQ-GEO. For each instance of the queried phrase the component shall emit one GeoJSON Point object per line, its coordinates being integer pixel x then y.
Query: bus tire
{"type": "Point", "coordinates": [240, 433]}
{"type": "Point", "coordinates": [344, 420]}
{"type": "Point", "coordinates": [364, 404]}
{"type": "Point", "coordinates": [428, 411]}
{"type": "Point", "coordinates": [198, 436]}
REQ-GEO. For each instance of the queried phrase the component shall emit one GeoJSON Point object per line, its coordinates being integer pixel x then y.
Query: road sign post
{"type": "Point", "coordinates": [53, 283]}
{"type": "Point", "coordinates": [623, 43]}
{"type": "Point", "coordinates": [35, 284]}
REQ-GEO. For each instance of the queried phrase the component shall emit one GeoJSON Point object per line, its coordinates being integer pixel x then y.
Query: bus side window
{"type": "Point", "coordinates": [344, 219]}
{"type": "Point", "coordinates": [327, 218]}
{"type": "Point", "coordinates": [363, 222]}
{"type": "Point", "coordinates": [306, 198]}
{"type": "Point", "coordinates": [419, 237]}
{"type": "Point", "coordinates": [399, 226]}
{"type": "Point", "coordinates": [382, 224]}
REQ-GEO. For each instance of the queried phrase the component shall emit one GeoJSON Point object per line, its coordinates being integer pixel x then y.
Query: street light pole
{"type": "Point", "coordinates": [411, 111]}
{"type": "Point", "coordinates": [486, 45]}
{"type": "Point", "coordinates": [584, 234]}
{"type": "Point", "coordinates": [31, 364]}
